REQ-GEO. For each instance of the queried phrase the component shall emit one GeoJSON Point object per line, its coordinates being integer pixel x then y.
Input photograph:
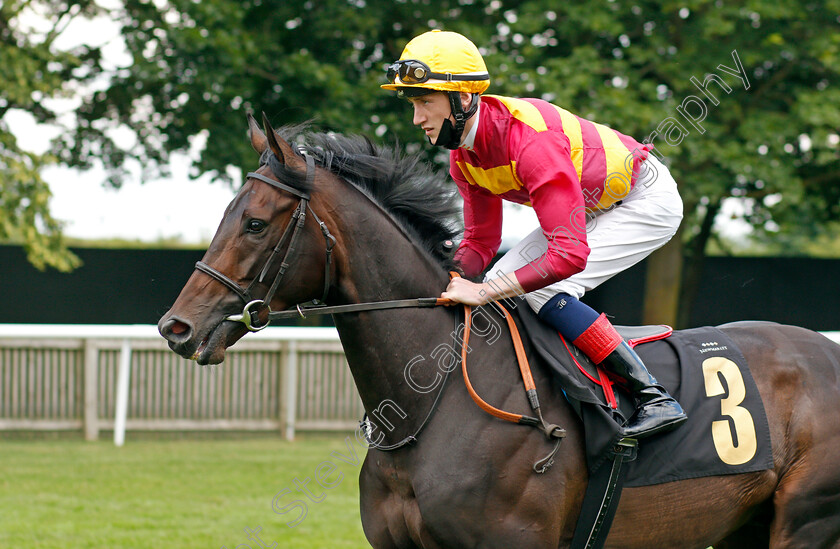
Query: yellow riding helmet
{"type": "Point", "coordinates": [442, 61]}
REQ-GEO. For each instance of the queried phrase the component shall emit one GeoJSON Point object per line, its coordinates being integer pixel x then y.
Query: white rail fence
{"type": "Point", "coordinates": [95, 378]}
{"type": "Point", "coordinates": [118, 378]}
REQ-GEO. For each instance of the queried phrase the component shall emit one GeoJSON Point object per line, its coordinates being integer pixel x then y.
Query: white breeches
{"type": "Point", "coordinates": [618, 238]}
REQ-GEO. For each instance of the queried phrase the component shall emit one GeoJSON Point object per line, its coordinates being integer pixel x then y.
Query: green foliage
{"type": "Point", "coordinates": [169, 243]}
{"type": "Point", "coordinates": [33, 72]}
{"type": "Point", "coordinates": [24, 208]}
{"type": "Point", "coordinates": [824, 243]}
{"type": "Point", "coordinates": [197, 67]}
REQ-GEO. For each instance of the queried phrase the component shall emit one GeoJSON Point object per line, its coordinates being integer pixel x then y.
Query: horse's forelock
{"type": "Point", "coordinates": [292, 177]}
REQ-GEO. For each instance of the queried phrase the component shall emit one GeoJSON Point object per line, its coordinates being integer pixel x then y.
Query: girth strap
{"type": "Point", "coordinates": [603, 492]}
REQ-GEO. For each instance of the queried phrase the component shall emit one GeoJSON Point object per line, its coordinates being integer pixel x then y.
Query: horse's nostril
{"type": "Point", "coordinates": [176, 330]}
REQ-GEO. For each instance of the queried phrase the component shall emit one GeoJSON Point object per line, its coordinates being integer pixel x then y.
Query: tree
{"type": "Point", "coordinates": [33, 72]}
{"type": "Point", "coordinates": [197, 68]}
{"type": "Point", "coordinates": [740, 99]}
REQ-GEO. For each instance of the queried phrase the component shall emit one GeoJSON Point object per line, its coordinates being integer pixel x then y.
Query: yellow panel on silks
{"type": "Point", "coordinates": [498, 180]}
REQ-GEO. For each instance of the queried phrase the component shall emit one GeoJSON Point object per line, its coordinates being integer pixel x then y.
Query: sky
{"type": "Point", "coordinates": [174, 207]}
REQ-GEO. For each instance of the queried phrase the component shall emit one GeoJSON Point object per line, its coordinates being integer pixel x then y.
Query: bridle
{"type": "Point", "coordinates": [250, 313]}
{"type": "Point", "coordinates": [254, 306]}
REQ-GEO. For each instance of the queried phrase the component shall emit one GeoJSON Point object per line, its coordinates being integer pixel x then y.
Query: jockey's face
{"type": "Point", "coordinates": [429, 113]}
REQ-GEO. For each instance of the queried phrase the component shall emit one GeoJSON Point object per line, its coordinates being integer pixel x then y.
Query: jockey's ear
{"type": "Point", "coordinates": [466, 100]}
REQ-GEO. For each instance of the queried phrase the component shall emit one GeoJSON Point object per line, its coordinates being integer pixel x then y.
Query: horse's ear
{"type": "Point", "coordinates": [281, 149]}
{"type": "Point", "coordinates": [258, 140]}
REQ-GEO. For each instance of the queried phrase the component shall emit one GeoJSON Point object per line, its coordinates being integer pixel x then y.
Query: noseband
{"type": "Point", "coordinates": [253, 307]}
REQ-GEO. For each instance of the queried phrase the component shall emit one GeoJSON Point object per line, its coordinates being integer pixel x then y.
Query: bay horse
{"type": "Point", "coordinates": [364, 224]}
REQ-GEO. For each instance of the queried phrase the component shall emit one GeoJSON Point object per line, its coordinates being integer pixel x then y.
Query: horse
{"type": "Point", "coordinates": [443, 473]}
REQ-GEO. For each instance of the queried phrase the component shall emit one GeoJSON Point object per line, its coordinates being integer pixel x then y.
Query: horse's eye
{"type": "Point", "coordinates": [256, 226]}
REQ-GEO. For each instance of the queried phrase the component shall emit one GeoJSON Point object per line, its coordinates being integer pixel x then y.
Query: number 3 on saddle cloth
{"type": "Point", "coordinates": [726, 431]}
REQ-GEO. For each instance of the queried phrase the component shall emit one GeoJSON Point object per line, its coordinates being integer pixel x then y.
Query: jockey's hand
{"type": "Point", "coordinates": [463, 291]}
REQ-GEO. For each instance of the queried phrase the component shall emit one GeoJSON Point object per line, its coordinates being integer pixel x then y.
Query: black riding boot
{"type": "Point", "coordinates": [656, 410]}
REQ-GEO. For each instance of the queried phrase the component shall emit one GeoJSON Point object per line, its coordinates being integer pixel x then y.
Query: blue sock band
{"type": "Point", "coordinates": [568, 315]}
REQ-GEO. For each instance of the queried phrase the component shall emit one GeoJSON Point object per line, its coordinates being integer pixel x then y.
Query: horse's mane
{"type": "Point", "coordinates": [417, 196]}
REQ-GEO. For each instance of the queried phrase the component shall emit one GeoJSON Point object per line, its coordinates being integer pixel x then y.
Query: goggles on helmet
{"type": "Point", "coordinates": [412, 71]}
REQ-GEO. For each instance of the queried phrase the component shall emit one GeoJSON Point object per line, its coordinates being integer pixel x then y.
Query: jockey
{"type": "Point", "coordinates": [603, 203]}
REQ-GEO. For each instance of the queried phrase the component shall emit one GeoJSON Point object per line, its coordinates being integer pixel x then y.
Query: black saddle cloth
{"type": "Point", "coordinates": [726, 431]}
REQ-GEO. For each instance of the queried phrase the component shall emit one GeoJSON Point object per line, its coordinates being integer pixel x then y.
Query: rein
{"type": "Point", "coordinates": [410, 439]}
{"type": "Point", "coordinates": [550, 430]}
{"type": "Point", "coordinates": [253, 307]}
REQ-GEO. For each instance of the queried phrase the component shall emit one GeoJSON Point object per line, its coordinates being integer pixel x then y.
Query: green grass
{"type": "Point", "coordinates": [176, 493]}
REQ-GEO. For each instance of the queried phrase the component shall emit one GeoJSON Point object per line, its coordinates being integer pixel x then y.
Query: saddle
{"type": "Point", "coordinates": [726, 432]}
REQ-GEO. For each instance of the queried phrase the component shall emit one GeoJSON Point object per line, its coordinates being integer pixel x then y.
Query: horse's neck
{"type": "Point", "coordinates": [377, 262]}
{"type": "Point", "coordinates": [399, 357]}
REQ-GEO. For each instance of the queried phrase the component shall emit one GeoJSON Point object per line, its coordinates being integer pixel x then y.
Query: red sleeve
{"type": "Point", "coordinates": [545, 167]}
{"type": "Point", "coordinates": [482, 225]}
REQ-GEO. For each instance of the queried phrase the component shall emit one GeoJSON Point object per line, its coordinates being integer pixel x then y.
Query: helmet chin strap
{"type": "Point", "coordinates": [450, 136]}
